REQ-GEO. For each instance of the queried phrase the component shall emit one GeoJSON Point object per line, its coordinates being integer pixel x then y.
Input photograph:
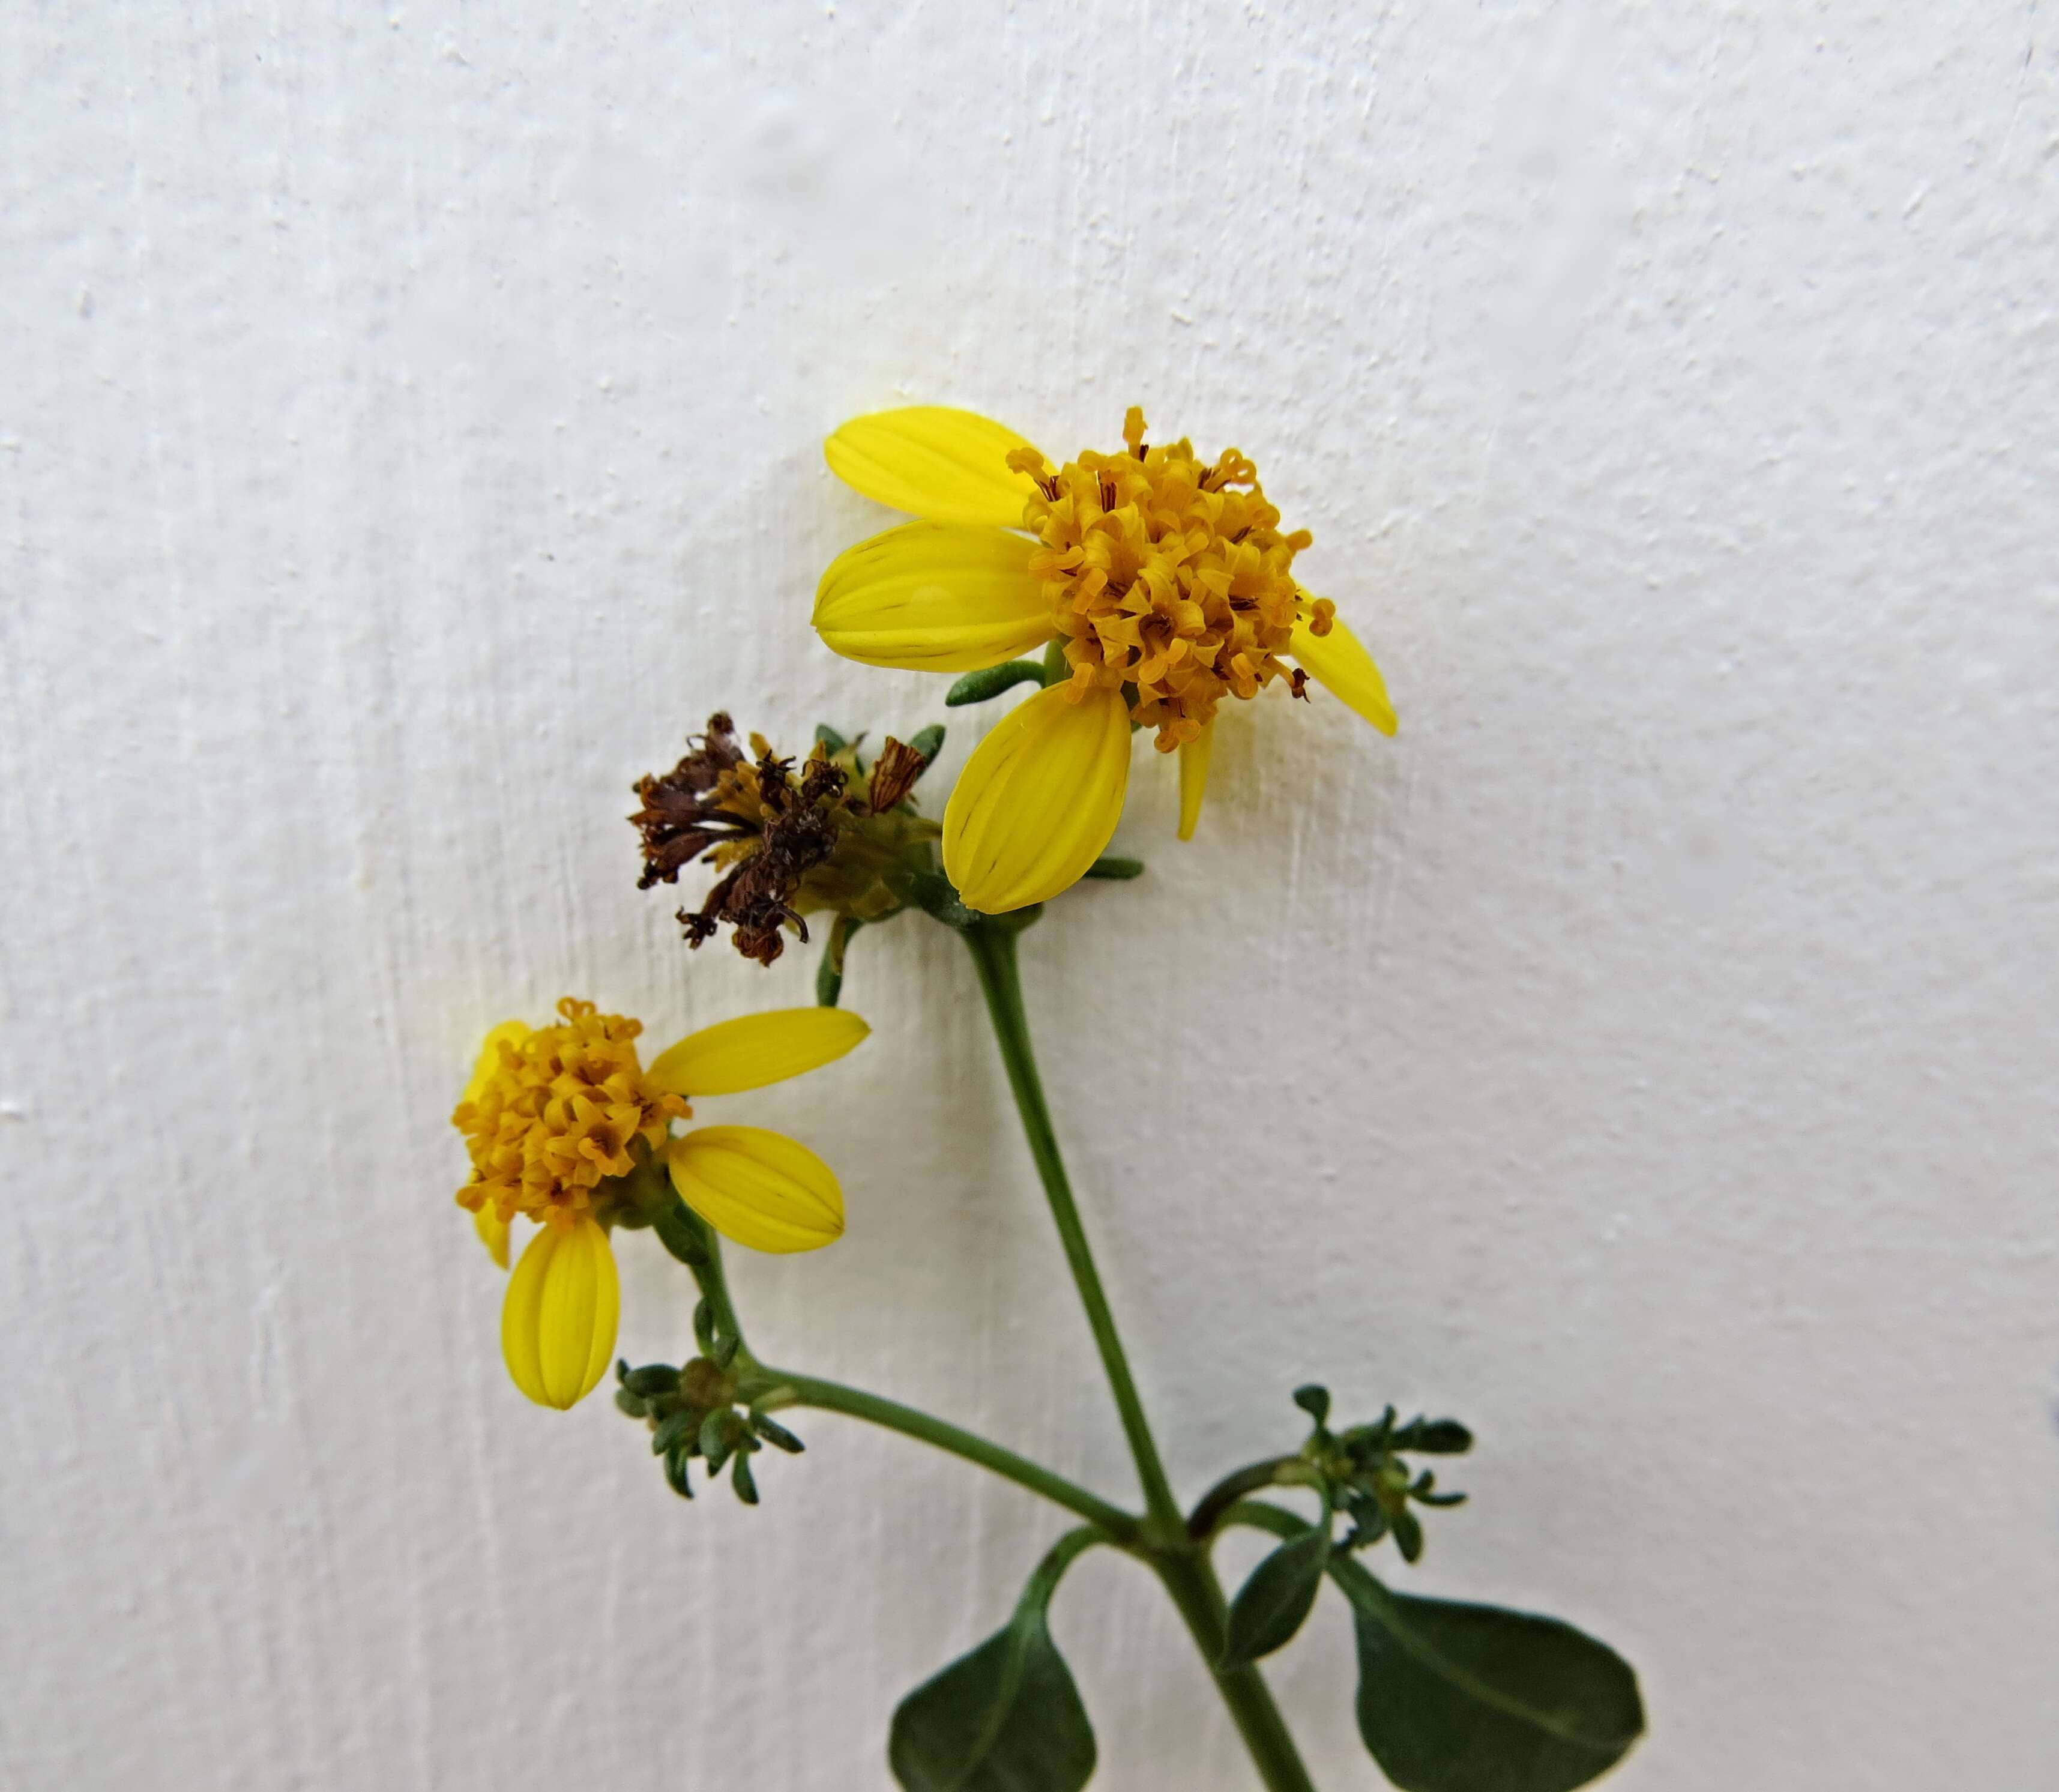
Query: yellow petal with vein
{"type": "Point", "coordinates": [760, 1188]}
{"type": "Point", "coordinates": [1038, 800]}
{"type": "Point", "coordinates": [933, 597]}
{"type": "Point", "coordinates": [557, 1323]}
{"type": "Point", "coordinates": [930, 460]}
{"type": "Point", "coordinates": [1342, 666]}
{"type": "Point", "coordinates": [754, 1049]}
{"type": "Point", "coordinates": [1194, 757]}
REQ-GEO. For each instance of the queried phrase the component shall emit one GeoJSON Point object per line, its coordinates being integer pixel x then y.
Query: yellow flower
{"type": "Point", "coordinates": [1166, 579]}
{"type": "Point", "coordinates": [556, 1117]}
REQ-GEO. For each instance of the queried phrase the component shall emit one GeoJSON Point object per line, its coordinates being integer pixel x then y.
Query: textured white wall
{"type": "Point", "coordinates": [408, 429]}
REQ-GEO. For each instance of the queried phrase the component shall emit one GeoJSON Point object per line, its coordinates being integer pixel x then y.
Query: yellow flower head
{"type": "Point", "coordinates": [556, 1117]}
{"type": "Point", "coordinates": [551, 1113]}
{"type": "Point", "coordinates": [1166, 578]}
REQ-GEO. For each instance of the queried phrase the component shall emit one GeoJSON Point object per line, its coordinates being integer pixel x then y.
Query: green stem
{"type": "Point", "coordinates": [1207, 1517]}
{"type": "Point", "coordinates": [1067, 1549]}
{"type": "Point", "coordinates": [1192, 1582]}
{"type": "Point", "coordinates": [773, 1389]}
{"type": "Point", "coordinates": [993, 950]}
{"type": "Point", "coordinates": [1181, 1563]}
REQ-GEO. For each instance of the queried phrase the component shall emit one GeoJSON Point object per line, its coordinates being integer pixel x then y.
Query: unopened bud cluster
{"type": "Point", "coordinates": [692, 1411]}
{"type": "Point", "coordinates": [1366, 1477]}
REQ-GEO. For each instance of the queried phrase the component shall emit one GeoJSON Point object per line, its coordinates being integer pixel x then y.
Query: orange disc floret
{"type": "Point", "coordinates": [554, 1112]}
{"type": "Point", "coordinates": [1167, 577]}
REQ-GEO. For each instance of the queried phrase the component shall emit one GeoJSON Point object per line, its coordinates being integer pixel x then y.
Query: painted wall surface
{"type": "Point", "coordinates": [409, 425]}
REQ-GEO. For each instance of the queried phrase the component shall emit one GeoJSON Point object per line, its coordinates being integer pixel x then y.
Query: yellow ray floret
{"type": "Point", "coordinates": [1336, 661]}
{"type": "Point", "coordinates": [755, 1049]}
{"type": "Point", "coordinates": [558, 1321]}
{"type": "Point", "coordinates": [1038, 799]}
{"type": "Point", "coordinates": [949, 466]}
{"type": "Point", "coordinates": [933, 597]}
{"type": "Point", "coordinates": [1194, 756]}
{"type": "Point", "coordinates": [758, 1187]}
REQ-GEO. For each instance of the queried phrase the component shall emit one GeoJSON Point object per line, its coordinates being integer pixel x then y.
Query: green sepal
{"type": "Point", "coordinates": [830, 741]}
{"type": "Point", "coordinates": [683, 1232]}
{"type": "Point", "coordinates": [745, 1483]}
{"type": "Point", "coordinates": [1313, 1400]}
{"type": "Point", "coordinates": [714, 1439]}
{"type": "Point", "coordinates": [937, 897]}
{"type": "Point", "coordinates": [1433, 1437]}
{"type": "Point", "coordinates": [829, 971]}
{"type": "Point", "coordinates": [675, 1474]}
{"type": "Point", "coordinates": [1120, 870]}
{"type": "Point", "coordinates": [724, 1353]}
{"type": "Point", "coordinates": [928, 742]}
{"type": "Point", "coordinates": [776, 1434]}
{"type": "Point", "coordinates": [628, 1403]}
{"type": "Point", "coordinates": [652, 1378]}
{"type": "Point", "coordinates": [1459, 1697]}
{"type": "Point", "coordinates": [673, 1430]}
{"type": "Point", "coordinates": [1277, 1596]}
{"type": "Point", "coordinates": [988, 682]}
{"type": "Point", "coordinates": [1407, 1533]}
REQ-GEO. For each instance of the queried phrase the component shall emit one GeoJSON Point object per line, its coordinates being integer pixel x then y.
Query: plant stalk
{"type": "Point", "coordinates": [1191, 1580]}
{"type": "Point", "coordinates": [1182, 1565]}
{"type": "Point", "coordinates": [993, 950]}
{"type": "Point", "coordinates": [774, 1390]}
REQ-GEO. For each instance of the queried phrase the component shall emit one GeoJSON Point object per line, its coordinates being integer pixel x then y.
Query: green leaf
{"type": "Point", "coordinates": [928, 742]}
{"type": "Point", "coordinates": [1271, 1605]}
{"type": "Point", "coordinates": [1007, 1717]}
{"type": "Point", "coordinates": [831, 741]}
{"type": "Point", "coordinates": [1455, 1698]}
{"type": "Point", "coordinates": [988, 682]}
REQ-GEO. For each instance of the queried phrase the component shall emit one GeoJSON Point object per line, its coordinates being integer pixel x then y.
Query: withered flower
{"type": "Point", "coordinates": [835, 835]}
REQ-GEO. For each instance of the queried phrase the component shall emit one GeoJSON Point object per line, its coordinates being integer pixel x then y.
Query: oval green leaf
{"type": "Point", "coordinates": [1272, 1603]}
{"type": "Point", "coordinates": [1456, 1698]}
{"type": "Point", "coordinates": [1007, 1717]}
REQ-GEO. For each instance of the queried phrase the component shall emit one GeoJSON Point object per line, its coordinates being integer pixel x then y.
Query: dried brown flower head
{"type": "Point", "coordinates": [787, 843]}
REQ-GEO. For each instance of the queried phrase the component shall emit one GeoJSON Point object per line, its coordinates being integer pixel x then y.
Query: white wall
{"type": "Point", "coordinates": [408, 429]}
